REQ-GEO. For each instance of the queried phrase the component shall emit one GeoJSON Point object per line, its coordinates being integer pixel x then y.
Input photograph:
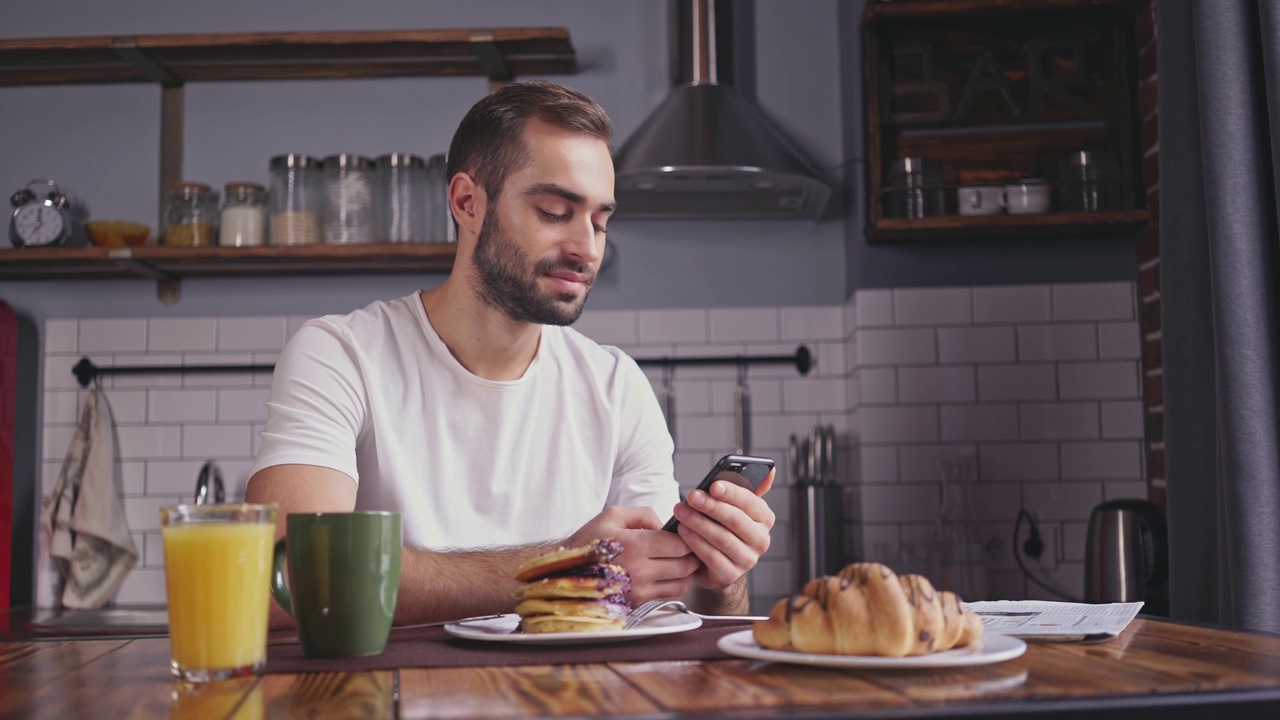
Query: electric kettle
{"type": "Point", "coordinates": [1126, 552]}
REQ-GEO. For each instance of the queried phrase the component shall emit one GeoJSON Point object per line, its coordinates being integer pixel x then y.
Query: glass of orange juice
{"type": "Point", "coordinates": [217, 571]}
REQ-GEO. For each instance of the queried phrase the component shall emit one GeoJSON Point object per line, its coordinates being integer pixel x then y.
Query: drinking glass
{"type": "Point", "coordinates": [217, 568]}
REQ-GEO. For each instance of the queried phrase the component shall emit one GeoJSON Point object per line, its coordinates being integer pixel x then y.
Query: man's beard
{"type": "Point", "coordinates": [507, 283]}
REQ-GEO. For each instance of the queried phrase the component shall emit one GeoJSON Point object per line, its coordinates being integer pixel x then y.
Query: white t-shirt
{"type": "Point", "coordinates": [468, 462]}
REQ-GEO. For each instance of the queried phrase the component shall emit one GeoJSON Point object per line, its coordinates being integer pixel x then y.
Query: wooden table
{"type": "Point", "coordinates": [1154, 669]}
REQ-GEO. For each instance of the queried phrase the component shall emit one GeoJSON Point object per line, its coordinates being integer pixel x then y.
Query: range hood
{"type": "Point", "coordinates": [708, 153]}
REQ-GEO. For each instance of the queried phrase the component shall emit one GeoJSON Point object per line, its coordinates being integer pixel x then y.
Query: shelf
{"type": "Point", "coordinates": [499, 53]}
{"type": "Point", "coordinates": [908, 9]}
{"type": "Point", "coordinates": [1036, 226]}
{"type": "Point", "coordinates": [175, 263]}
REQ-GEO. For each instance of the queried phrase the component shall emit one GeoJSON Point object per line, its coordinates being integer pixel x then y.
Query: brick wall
{"type": "Point", "coordinates": [1148, 254]}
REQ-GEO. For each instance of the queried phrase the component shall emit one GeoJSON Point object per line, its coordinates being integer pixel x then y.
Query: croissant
{"type": "Point", "coordinates": [867, 609]}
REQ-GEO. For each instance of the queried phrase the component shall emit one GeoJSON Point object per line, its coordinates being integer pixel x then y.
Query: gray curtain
{"type": "Point", "coordinates": [1219, 84]}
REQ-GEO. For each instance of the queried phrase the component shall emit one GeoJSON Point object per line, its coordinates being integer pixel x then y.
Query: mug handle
{"type": "Point", "coordinates": [279, 588]}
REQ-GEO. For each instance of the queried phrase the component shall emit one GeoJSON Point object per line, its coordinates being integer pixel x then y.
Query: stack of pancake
{"type": "Point", "coordinates": [574, 589]}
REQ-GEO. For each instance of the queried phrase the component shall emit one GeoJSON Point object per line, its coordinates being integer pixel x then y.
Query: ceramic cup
{"type": "Point", "coordinates": [344, 574]}
{"type": "Point", "coordinates": [1030, 195]}
{"type": "Point", "coordinates": [980, 199]}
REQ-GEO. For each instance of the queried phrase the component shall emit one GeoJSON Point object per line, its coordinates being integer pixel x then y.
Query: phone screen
{"type": "Point", "coordinates": [743, 470]}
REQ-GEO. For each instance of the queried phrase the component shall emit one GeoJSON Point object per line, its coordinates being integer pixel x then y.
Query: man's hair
{"type": "Point", "coordinates": [489, 143]}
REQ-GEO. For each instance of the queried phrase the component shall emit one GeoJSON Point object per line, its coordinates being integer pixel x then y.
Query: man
{"type": "Point", "coordinates": [495, 430]}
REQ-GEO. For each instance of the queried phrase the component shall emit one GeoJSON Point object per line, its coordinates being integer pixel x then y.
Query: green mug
{"type": "Point", "coordinates": [344, 573]}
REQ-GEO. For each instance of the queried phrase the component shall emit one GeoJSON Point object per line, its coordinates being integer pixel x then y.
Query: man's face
{"type": "Point", "coordinates": [540, 245]}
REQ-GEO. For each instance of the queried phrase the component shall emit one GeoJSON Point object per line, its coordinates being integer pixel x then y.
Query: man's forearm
{"type": "Point", "coordinates": [729, 600]}
{"type": "Point", "coordinates": [438, 586]}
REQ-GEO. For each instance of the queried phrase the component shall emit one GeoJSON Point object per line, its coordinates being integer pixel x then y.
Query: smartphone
{"type": "Point", "coordinates": [743, 470]}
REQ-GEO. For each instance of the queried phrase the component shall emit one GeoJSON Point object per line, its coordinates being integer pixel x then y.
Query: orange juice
{"type": "Point", "coordinates": [218, 578]}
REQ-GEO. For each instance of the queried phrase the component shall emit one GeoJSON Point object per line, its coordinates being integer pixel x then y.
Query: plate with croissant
{"type": "Point", "coordinates": [866, 616]}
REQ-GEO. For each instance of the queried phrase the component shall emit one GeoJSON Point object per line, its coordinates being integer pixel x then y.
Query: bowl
{"type": "Point", "coordinates": [117, 233]}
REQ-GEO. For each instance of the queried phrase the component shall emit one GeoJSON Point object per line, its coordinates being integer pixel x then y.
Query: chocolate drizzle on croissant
{"type": "Point", "coordinates": [866, 609]}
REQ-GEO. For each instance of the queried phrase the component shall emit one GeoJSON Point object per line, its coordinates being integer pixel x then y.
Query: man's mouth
{"type": "Point", "coordinates": [570, 281]}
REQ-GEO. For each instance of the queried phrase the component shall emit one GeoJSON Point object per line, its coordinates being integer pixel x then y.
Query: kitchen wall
{"type": "Point", "coordinates": [1038, 383]}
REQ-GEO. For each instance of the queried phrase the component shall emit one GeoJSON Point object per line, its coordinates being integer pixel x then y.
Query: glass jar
{"type": "Point", "coordinates": [243, 222]}
{"type": "Point", "coordinates": [348, 200]}
{"type": "Point", "coordinates": [440, 227]}
{"type": "Point", "coordinates": [914, 189]}
{"type": "Point", "coordinates": [1091, 182]}
{"type": "Point", "coordinates": [400, 194]}
{"type": "Point", "coordinates": [189, 215]}
{"type": "Point", "coordinates": [295, 200]}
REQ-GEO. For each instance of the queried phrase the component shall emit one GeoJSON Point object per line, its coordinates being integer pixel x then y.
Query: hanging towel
{"type": "Point", "coordinates": [83, 517]}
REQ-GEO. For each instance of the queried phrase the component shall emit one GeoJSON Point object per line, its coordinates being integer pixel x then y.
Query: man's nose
{"type": "Point", "coordinates": [586, 244]}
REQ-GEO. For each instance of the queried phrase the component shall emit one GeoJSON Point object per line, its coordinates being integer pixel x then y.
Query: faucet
{"type": "Point", "coordinates": [210, 470]}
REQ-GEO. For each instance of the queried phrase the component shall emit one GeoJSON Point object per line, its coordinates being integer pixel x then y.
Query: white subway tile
{"type": "Point", "coordinates": [146, 380]}
{"type": "Point", "coordinates": [1002, 383]}
{"type": "Point", "coordinates": [235, 477]}
{"type": "Point", "coordinates": [1122, 419]}
{"type": "Point", "coordinates": [216, 441]}
{"type": "Point", "coordinates": [822, 322]}
{"type": "Point", "coordinates": [766, 396]}
{"type": "Point", "coordinates": [1018, 461]}
{"type": "Point", "coordinates": [1011, 304]}
{"type": "Point", "coordinates": [1074, 538]}
{"type": "Point", "coordinates": [165, 406]}
{"type": "Point", "coordinates": [773, 578]}
{"type": "Point", "coordinates": [880, 542]}
{"type": "Point", "coordinates": [1102, 380]}
{"type": "Point", "coordinates": [920, 463]}
{"type": "Point", "coordinates": [1057, 342]}
{"type": "Point", "coordinates": [1118, 460]}
{"type": "Point", "coordinates": [609, 327]}
{"type": "Point", "coordinates": [1061, 501]}
{"type": "Point", "coordinates": [1093, 301]}
{"type": "Point", "coordinates": [61, 407]}
{"type": "Point", "coordinates": [994, 502]}
{"type": "Point", "coordinates": [1119, 341]}
{"type": "Point", "coordinates": [786, 370]}
{"type": "Point", "coordinates": [173, 477]}
{"type": "Point", "coordinates": [691, 467]}
{"type": "Point", "coordinates": [829, 359]}
{"type": "Point", "coordinates": [878, 385]}
{"type": "Point", "coordinates": [950, 383]}
{"type": "Point", "coordinates": [1059, 421]}
{"type": "Point", "coordinates": [293, 323]}
{"type": "Point", "coordinates": [878, 463]}
{"type": "Point", "coordinates": [217, 379]}
{"type": "Point", "coordinates": [899, 424]}
{"type": "Point", "coordinates": [1008, 585]}
{"type": "Point", "coordinates": [263, 379]}
{"type": "Point", "coordinates": [999, 556]}
{"type": "Point", "coordinates": [852, 394]}
{"type": "Point", "coordinates": [251, 333]}
{"type": "Point", "coordinates": [55, 440]}
{"type": "Point", "coordinates": [933, 306]}
{"type": "Point", "coordinates": [133, 477]}
{"type": "Point", "coordinates": [1067, 578]}
{"type": "Point", "coordinates": [814, 395]}
{"type": "Point", "coordinates": [899, 503]}
{"type": "Point", "coordinates": [766, 430]}
{"type": "Point", "coordinates": [673, 326]}
{"type": "Point", "coordinates": [875, 308]}
{"type": "Point", "coordinates": [151, 550]}
{"type": "Point", "coordinates": [257, 429]}
{"type": "Point", "coordinates": [57, 372]}
{"type": "Point", "coordinates": [143, 442]}
{"type": "Point", "coordinates": [743, 324]}
{"type": "Point", "coordinates": [142, 586]}
{"type": "Point", "coordinates": [243, 405]}
{"type": "Point", "coordinates": [128, 406]}
{"type": "Point", "coordinates": [896, 347]}
{"type": "Point", "coordinates": [111, 335]}
{"type": "Point", "coordinates": [976, 344]}
{"type": "Point", "coordinates": [143, 513]}
{"type": "Point", "coordinates": [179, 334]}
{"type": "Point", "coordinates": [693, 397]}
{"type": "Point", "coordinates": [61, 336]}
{"type": "Point", "coordinates": [1122, 490]}
{"type": "Point", "coordinates": [979, 422]}
{"type": "Point", "coordinates": [705, 433]}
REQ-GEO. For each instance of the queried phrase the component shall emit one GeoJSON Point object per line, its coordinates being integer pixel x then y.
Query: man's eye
{"type": "Point", "coordinates": [552, 216]}
{"type": "Point", "coordinates": [600, 229]}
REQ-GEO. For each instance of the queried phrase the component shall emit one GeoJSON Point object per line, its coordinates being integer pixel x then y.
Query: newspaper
{"type": "Point", "coordinates": [1054, 621]}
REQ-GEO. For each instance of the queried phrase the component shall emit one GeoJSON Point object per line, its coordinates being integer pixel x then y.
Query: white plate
{"type": "Point", "coordinates": [990, 649]}
{"type": "Point", "coordinates": [503, 629]}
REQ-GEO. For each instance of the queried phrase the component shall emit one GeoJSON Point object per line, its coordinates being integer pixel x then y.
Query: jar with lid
{"type": "Point", "coordinates": [914, 188]}
{"type": "Point", "coordinates": [295, 200]}
{"type": "Point", "coordinates": [348, 200]}
{"type": "Point", "coordinates": [400, 197]}
{"type": "Point", "coordinates": [190, 215]}
{"type": "Point", "coordinates": [1091, 182]}
{"type": "Point", "coordinates": [243, 222]}
{"type": "Point", "coordinates": [439, 220]}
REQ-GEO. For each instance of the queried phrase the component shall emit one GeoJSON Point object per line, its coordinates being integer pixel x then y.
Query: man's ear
{"type": "Point", "coordinates": [467, 201]}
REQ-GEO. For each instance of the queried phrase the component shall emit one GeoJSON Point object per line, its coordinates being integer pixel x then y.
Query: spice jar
{"type": "Point", "coordinates": [189, 215]}
{"type": "Point", "coordinates": [400, 198]}
{"type": "Point", "coordinates": [914, 188]}
{"type": "Point", "coordinates": [348, 199]}
{"type": "Point", "coordinates": [243, 222]}
{"type": "Point", "coordinates": [295, 200]}
{"type": "Point", "coordinates": [439, 220]}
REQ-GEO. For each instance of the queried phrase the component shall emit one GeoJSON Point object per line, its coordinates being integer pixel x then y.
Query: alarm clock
{"type": "Point", "coordinates": [40, 215]}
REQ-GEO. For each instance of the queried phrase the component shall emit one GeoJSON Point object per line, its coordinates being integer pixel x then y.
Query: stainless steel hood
{"type": "Point", "coordinates": [708, 153]}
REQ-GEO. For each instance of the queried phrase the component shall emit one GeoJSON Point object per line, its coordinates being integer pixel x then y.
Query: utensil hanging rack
{"type": "Point", "coordinates": [86, 371]}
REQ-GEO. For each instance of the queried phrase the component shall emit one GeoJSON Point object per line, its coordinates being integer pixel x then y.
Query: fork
{"type": "Point", "coordinates": [644, 610]}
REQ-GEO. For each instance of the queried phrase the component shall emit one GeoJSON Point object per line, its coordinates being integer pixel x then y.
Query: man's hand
{"type": "Point", "coordinates": [660, 563]}
{"type": "Point", "coordinates": [727, 529]}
